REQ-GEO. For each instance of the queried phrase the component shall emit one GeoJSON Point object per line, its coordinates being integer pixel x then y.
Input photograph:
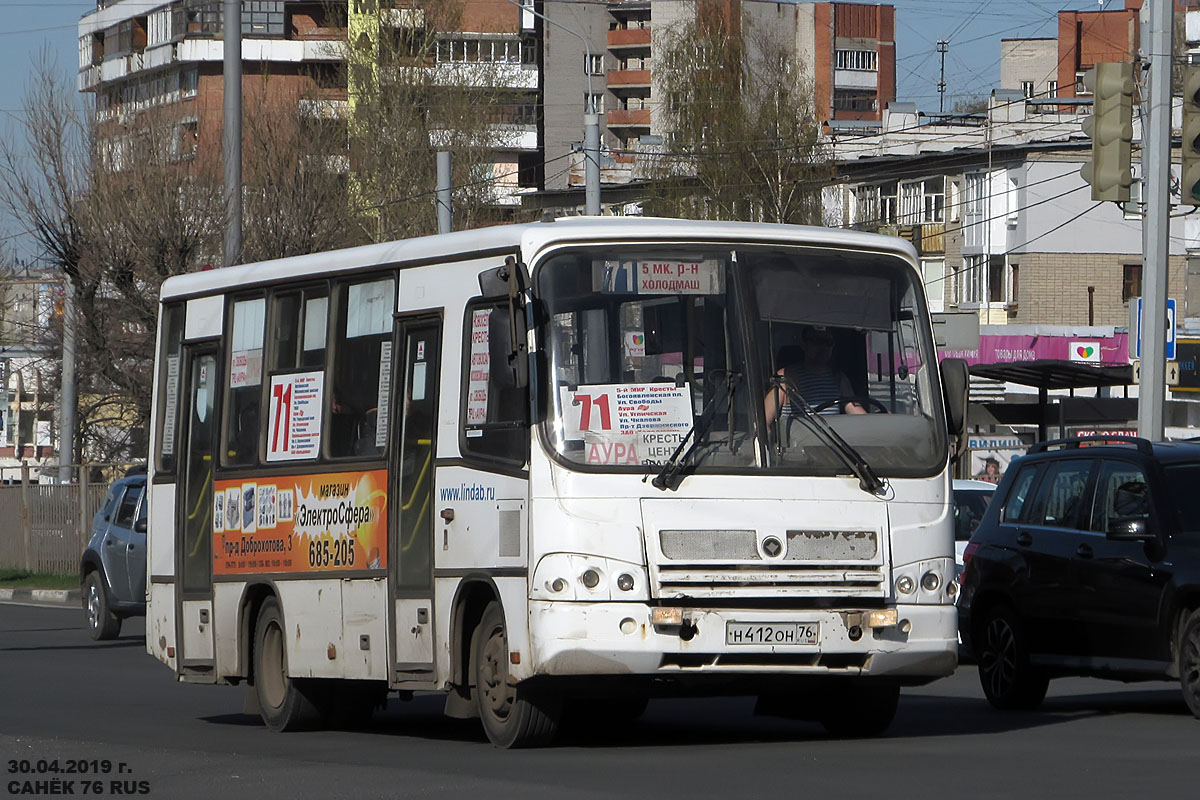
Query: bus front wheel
{"type": "Point", "coordinates": [286, 703]}
{"type": "Point", "coordinates": [513, 715]}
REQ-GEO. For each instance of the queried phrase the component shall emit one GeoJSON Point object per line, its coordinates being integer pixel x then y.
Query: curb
{"type": "Point", "coordinates": [47, 597]}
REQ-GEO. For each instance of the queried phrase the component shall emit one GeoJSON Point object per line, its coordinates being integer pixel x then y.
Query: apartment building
{"type": "Point", "coordinates": [1029, 66]}
{"type": "Point", "coordinates": [851, 50]}
{"type": "Point", "coordinates": [1087, 38]}
{"type": "Point", "coordinates": [137, 57]}
{"type": "Point", "coordinates": [1003, 222]}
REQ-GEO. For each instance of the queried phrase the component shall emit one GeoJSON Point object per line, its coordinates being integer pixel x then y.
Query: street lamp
{"type": "Point", "coordinates": [591, 120]}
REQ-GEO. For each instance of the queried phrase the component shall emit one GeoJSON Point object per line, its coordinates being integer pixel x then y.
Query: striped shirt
{"type": "Point", "coordinates": [817, 388]}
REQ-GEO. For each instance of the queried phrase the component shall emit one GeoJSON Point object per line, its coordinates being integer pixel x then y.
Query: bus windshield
{"type": "Point", "coordinates": [740, 346]}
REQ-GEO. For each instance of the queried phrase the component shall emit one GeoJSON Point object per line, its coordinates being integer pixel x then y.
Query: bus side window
{"type": "Point", "coordinates": [361, 352]}
{"type": "Point", "coordinates": [495, 411]}
{"type": "Point", "coordinates": [168, 387]}
{"type": "Point", "coordinates": [298, 323]}
{"type": "Point", "coordinates": [243, 398]}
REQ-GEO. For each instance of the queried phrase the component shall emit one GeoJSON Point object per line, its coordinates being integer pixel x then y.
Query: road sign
{"type": "Point", "coordinates": [1172, 372]}
{"type": "Point", "coordinates": [1137, 329]}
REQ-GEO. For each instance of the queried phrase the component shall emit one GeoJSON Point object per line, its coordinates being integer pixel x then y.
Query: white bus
{"type": "Point", "coordinates": [557, 468]}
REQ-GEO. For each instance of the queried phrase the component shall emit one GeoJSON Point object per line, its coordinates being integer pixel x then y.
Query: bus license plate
{"type": "Point", "coordinates": [772, 632]}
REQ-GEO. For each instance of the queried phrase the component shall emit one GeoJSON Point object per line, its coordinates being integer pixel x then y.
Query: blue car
{"type": "Point", "coordinates": [112, 570]}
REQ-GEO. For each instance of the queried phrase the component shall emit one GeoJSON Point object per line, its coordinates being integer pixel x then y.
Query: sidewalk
{"type": "Point", "coordinates": [47, 597]}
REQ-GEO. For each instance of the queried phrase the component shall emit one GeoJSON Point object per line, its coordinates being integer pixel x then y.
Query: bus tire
{"type": "Point", "coordinates": [513, 715]}
{"type": "Point", "coordinates": [863, 709]}
{"type": "Point", "coordinates": [285, 703]}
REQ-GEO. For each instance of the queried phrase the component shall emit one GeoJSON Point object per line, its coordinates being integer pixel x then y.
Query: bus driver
{"type": "Point", "coordinates": [815, 377]}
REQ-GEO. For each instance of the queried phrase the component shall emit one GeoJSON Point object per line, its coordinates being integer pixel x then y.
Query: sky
{"type": "Point", "coordinates": [973, 28]}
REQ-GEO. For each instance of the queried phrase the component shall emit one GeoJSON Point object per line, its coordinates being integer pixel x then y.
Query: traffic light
{"type": "Point", "coordinates": [1111, 130]}
{"type": "Point", "coordinates": [1189, 185]}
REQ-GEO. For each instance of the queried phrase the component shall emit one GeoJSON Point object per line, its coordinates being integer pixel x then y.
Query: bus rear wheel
{"type": "Point", "coordinates": [286, 703]}
{"type": "Point", "coordinates": [513, 715]}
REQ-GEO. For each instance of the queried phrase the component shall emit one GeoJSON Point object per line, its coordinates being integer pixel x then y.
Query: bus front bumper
{"type": "Point", "coordinates": [919, 645]}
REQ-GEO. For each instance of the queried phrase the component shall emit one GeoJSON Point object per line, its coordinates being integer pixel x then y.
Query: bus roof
{"type": "Point", "coordinates": [529, 236]}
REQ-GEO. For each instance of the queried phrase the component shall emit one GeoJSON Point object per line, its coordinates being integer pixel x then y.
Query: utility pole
{"type": "Point", "coordinates": [1156, 177]}
{"type": "Point", "coordinates": [591, 119]}
{"type": "Point", "coordinates": [942, 46]}
{"type": "Point", "coordinates": [444, 209]}
{"type": "Point", "coordinates": [232, 143]}
{"type": "Point", "coordinates": [66, 397]}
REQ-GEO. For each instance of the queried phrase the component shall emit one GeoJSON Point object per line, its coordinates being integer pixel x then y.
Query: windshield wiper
{"type": "Point", "coordinates": [868, 481]}
{"type": "Point", "coordinates": [671, 475]}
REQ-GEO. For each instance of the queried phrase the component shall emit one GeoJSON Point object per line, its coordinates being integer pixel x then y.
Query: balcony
{"type": "Point", "coordinates": [628, 78]}
{"type": "Point", "coordinates": [633, 37]}
{"type": "Point", "coordinates": [929, 238]}
{"type": "Point", "coordinates": [633, 118]}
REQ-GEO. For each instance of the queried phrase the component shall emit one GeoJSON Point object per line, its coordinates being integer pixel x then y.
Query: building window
{"type": "Point", "coordinates": [1027, 88]}
{"type": "Point", "coordinates": [1131, 281]}
{"type": "Point", "coordinates": [593, 103]}
{"type": "Point", "coordinates": [855, 100]}
{"type": "Point", "coordinates": [864, 60]}
{"type": "Point", "coordinates": [1052, 91]}
{"type": "Point", "coordinates": [480, 50]}
{"type": "Point", "coordinates": [923, 201]}
{"type": "Point", "coordinates": [985, 280]}
{"type": "Point", "coordinates": [593, 64]}
{"type": "Point", "coordinates": [1081, 89]}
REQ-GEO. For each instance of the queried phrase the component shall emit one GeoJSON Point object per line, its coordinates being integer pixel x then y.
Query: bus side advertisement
{"type": "Point", "coordinates": [302, 523]}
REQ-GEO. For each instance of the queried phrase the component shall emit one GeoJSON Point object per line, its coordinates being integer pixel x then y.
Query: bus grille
{"type": "Point", "coordinates": [743, 563]}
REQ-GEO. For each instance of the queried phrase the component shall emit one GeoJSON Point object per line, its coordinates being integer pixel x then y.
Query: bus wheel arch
{"type": "Point", "coordinates": [253, 596]}
{"type": "Point", "coordinates": [471, 599]}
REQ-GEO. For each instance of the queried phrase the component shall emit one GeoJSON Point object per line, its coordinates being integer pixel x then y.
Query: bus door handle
{"type": "Point", "coordinates": [1024, 538]}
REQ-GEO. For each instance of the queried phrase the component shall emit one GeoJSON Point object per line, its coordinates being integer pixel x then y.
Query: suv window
{"type": "Point", "coordinates": [128, 507]}
{"type": "Point", "coordinates": [1121, 495]}
{"type": "Point", "coordinates": [1016, 502]}
{"type": "Point", "coordinates": [1182, 480]}
{"type": "Point", "coordinates": [1060, 499]}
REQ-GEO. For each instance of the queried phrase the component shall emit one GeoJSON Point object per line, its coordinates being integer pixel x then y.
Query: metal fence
{"type": "Point", "coordinates": [44, 527]}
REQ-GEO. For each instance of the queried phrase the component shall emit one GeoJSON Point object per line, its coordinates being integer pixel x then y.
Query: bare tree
{"type": "Point", "coordinates": [406, 105]}
{"type": "Point", "coordinates": [738, 110]}
{"type": "Point", "coordinates": [295, 152]}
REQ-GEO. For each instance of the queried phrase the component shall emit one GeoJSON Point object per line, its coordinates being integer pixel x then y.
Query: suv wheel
{"type": "Point", "coordinates": [1008, 679]}
{"type": "Point", "coordinates": [1188, 649]}
{"type": "Point", "coordinates": [101, 622]}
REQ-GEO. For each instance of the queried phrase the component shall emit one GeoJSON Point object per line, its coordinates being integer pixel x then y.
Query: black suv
{"type": "Point", "coordinates": [1087, 562]}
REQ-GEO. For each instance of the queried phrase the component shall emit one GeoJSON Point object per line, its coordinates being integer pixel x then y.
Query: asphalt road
{"type": "Point", "coordinates": [65, 697]}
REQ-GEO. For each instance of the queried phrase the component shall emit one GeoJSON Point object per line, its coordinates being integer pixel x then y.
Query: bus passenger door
{"type": "Point", "coordinates": [417, 341]}
{"type": "Point", "coordinates": [193, 547]}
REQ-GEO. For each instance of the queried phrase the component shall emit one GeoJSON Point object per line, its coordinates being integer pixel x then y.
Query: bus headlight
{"type": "Point", "coordinates": [571, 576]}
{"type": "Point", "coordinates": [925, 582]}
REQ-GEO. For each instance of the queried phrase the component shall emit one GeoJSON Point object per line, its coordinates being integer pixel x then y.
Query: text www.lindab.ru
{"type": "Point", "coordinates": [468, 491]}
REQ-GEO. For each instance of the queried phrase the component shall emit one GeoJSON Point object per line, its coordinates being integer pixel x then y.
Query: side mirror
{"type": "Point", "coordinates": [1129, 530]}
{"type": "Point", "coordinates": [955, 382]}
{"type": "Point", "coordinates": [140, 525]}
{"type": "Point", "coordinates": [511, 280]}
